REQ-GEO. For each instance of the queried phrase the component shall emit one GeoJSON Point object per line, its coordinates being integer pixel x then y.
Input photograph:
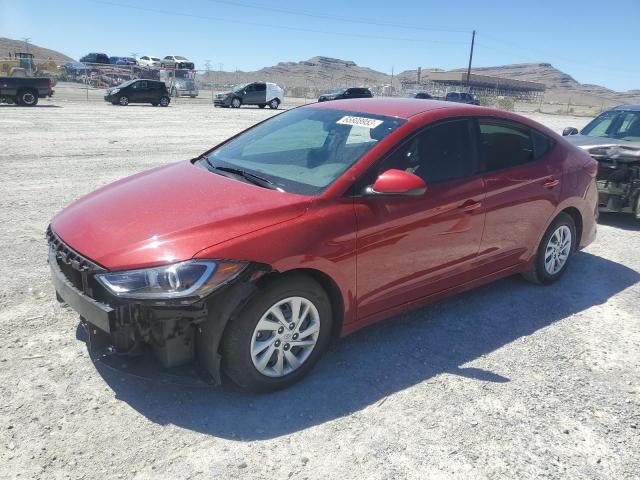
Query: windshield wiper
{"type": "Point", "coordinates": [251, 177]}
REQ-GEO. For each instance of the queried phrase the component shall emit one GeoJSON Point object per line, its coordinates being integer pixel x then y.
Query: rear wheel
{"type": "Point", "coordinates": [235, 103]}
{"type": "Point", "coordinates": [164, 101]}
{"type": "Point", "coordinates": [554, 252]}
{"type": "Point", "coordinates": [278, 336]}
{"type": "Point", "coordinates": [124, 101]}
{"type": "Point", "coordinates": [274, 104]}
{"type": "Point", "coordinates": [28, 98]}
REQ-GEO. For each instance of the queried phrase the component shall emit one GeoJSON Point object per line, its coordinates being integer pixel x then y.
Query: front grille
{"type": "Point", "coordinates": [79, 270]}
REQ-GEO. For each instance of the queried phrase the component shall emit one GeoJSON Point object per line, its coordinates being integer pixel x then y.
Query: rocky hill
{"type": "Point", "coordinates": [9, 46]}
{"type": "Point", "coordinates": [556, 81]}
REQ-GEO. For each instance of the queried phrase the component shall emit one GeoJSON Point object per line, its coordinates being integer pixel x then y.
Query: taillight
{"type": "Point", "coordinates": [591, 167]}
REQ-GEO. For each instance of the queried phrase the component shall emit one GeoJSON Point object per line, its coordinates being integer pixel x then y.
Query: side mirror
{"type": "Point", "coordinates": [397, 182]}
{"type": "Point", "coordinates": [569, 131]}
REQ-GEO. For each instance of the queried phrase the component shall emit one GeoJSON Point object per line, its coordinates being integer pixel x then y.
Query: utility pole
{"type": "Point", "coordinates": [207, 65]}
{"type": "Point", "coordinates": [27, 41]}
{"type": "Point", "coordinates": [473, 39]}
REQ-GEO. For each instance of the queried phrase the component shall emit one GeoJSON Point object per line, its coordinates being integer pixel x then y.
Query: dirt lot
{"type": "Point", "coordinates": [508, 381]}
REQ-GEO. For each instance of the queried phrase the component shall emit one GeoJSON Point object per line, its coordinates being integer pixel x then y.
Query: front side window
{"type": "Point", "coordinates": [504, 145]}
{"type": "Point", "coordinates": [439, 153]}
{"type": "Point", "coordinates": [306, 149]}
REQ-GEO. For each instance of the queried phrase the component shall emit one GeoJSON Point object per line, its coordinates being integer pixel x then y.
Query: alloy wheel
{"type": "Point", "coordinates": [28, 98]}
{"type": "Point", "coordinates": [285, 336]}
{"type": "Point", "coordinates": [557, 250]}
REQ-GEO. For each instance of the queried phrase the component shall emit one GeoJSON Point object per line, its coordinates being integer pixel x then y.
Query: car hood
{"type": "Point", "coordinates": [168, 214]}
{"type": "Point", "coordinates": [585, 141]}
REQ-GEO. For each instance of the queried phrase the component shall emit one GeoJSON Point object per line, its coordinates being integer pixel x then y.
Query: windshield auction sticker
{"type": "Point", "coordinates": [360, 122]}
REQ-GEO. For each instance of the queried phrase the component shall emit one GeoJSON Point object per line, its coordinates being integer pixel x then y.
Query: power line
{"type": "Point", "coordinates": [278, 27]}
{"type": "Point", "coordinates": [366, 21]}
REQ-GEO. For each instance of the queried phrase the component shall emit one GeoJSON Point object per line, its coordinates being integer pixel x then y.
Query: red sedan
{"type": "Point", "coordinates": [315, 223]}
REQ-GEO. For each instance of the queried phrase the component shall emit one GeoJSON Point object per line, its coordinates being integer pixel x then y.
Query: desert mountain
{"type": "Point", "coordinates": [9, 46]}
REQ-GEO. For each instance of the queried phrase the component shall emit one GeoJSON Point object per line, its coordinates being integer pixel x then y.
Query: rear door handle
{"type": "Point", "coordinates": [469, 206]}
{"type": "Point", "coordinates": [551, 182]}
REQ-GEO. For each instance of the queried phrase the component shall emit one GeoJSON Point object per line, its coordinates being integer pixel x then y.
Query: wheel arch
{"type": "Point", "coordinates": [575, 214]}
{"type": "Point", "coordinates": [328, 285]}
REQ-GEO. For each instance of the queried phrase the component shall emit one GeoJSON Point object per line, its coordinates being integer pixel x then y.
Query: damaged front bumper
{"type": "Point", "coordinates": [175, 334]}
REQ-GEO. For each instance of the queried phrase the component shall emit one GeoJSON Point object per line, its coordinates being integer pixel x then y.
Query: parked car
{"type": "Point", "coordinates": [95, 58]}
{"type": "Point", "coordinates": [256, 93]}
{"type": "Point", "coordinates": [423, 96]}
{"type": "Point", "coordinates": [613, 139]}
{"type": "Point", "coordinates": [75, 68]}
{"type": "Point", "coordinates": [122, 61]}
{"type": "Point", "coordinates": [176, 61]}
{"type": "Point", "coordinates": [461, 97]}
{"type": "Point", "coordinates": [345, 93]}
{"type": "Point", "coordinates": [149, 61]}
{"type": "Point", "coordinates": [316, 223]}
{"type": "Point", "coordinates": [180, 82]}
{"type": "Point", "coordinates": [25, 91]}
{"type": "Point", "coordinates": [139, 91]}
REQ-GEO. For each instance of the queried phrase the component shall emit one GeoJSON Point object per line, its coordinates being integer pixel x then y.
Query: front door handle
{"type": "Point", "coordinates": [469, 206]}
{"type": "Point", "coordinates": [551, 182]}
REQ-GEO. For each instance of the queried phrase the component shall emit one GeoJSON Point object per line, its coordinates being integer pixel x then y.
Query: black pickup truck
{"type": "Point", "coordinates": [24, 91]}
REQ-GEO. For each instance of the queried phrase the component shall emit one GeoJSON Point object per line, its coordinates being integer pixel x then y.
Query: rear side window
{"type": "Point", "coordinates": [504, 145]}
{"type": "Point", "coordinates": [261, 87]}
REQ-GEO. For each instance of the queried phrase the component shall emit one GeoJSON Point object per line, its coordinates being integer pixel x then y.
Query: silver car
{"type": "Point", "coordinates": [613, 139]}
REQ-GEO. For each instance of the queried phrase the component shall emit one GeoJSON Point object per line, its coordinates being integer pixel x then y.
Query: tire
{"type": "Point", "coordinates": [262, 105]}
{"type": "Point", "coordinates": [164, 101]}
{"type": "Point", "coordinates": [274, 104]}
{"type": "Point", "coordinates": [123, 101]}
{"type": "Point", "coordinates": [549, 265]}
{"type": "Point", "coordinates": [242, 334]}
{"type": "Point", "coordinates": [27, 98]}
{"type": "Point", "coordinates": [236, 102]}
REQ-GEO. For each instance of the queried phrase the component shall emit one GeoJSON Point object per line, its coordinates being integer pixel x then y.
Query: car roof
{"type": "Point", "coordinates": [630, 107]}
{"type": "Point", "coordinates": [394, 107]}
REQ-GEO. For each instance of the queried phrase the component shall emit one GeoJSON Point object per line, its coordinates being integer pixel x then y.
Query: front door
{"type": "Point", "coordinates": [409, 247]}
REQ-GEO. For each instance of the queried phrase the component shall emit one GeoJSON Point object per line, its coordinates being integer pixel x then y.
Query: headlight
{"type": "Point", "coordinates": [179, 280]}
{"type": "Point", "coordinates": [114, 91]}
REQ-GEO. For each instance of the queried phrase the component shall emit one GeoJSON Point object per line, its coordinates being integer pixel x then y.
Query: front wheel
{"type": "Point", "coordinates": [278, 336]}
{"type": "Point", "coordinates": [235, 103]}
{"type": "Point", "coordinates": [554, 252]}
{"type": "Point", "coordinates": [124, 101]}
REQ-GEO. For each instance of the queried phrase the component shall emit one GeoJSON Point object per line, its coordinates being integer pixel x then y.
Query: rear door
{"type": "Point", "coordinates": [413, 246]}
{"type": "Point", "coordinates": [522, 175]}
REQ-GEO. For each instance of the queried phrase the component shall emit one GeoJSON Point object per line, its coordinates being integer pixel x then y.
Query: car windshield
{"type": "Point", "coordinates": [615, 124]}
{"type": "Point", "coordinates": [155, 59]}
{"type": "Point", "coordinates": [337, 92]}
{"type": "Point", "coordinates": [180, 58]}
{"type": "Point", "coordinates": [239, 88]}
{"type": "Point", "coordinates": [306, 149]}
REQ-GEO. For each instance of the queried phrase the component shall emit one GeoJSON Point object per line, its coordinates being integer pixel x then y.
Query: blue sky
{"type": "Point", "coordinates": [595, 42]}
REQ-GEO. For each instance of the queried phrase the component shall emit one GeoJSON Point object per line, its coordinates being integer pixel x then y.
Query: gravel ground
{"type": "Point", "coordinates": [507, 381]}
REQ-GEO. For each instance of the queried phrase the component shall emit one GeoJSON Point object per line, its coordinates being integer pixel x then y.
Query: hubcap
{"type": "Point", "coordinates": [278, 349]}
{"type": "Point", "coordinates": [236, 102]}
{"type": "Point", "coordinates": [124, 101]}
{"type": "Point", "coordinates": [28, 98]}
{"type": "Point", "coordinates": [558, 249]}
